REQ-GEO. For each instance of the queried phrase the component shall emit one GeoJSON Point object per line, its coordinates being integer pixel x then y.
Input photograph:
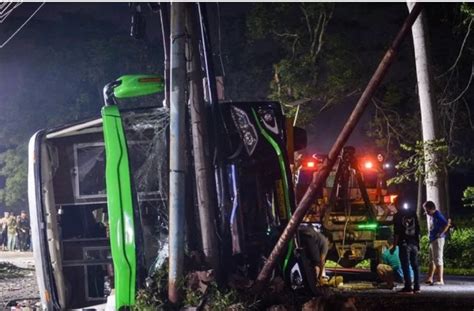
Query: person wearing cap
{"type": "Point", "coordinates": [438, 226]}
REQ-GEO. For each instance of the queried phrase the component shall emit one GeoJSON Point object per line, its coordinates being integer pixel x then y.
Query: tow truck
{"type": "Point", "coordinates": [355, 207]}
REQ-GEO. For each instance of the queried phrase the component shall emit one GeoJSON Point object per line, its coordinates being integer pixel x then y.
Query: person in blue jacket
{"type": "Point", "coordinates": [438, 226]}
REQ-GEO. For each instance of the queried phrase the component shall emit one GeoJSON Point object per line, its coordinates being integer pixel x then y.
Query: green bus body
{"type": "Point", "coordinates": [120, 207]}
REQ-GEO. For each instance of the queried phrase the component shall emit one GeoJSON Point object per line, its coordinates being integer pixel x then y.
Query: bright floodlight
{"type": "Point", "coordinates": [405, 205]}
{"type": "Point", "coordinates": [387, 165]}
{"type": "Point", "coordinates": [368, 164]}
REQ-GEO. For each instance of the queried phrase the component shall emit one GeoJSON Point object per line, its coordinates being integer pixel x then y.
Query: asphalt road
{"type": "Point", "coordinates": [457, 293]}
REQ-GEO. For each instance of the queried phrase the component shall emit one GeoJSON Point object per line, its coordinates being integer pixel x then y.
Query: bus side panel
{"type": "Point", "coordinates": [38, 225]}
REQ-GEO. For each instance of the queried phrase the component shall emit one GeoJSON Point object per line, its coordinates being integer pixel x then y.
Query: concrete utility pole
{"type": "Point", "coordinates": [165, 32]}
{"type": "Point", "coordinates": [206, 191]}
{"type": "Point", "coordinates": [177, 151]}
{"type": "Point", "coordinates": [319, 178]}
{"type": "Point", "coordinates": [435, 187]}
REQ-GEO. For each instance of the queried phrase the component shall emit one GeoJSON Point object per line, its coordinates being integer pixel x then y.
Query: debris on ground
{"type": "Point", "coordinates": [10, 271]}
{"type": "Point", "coordinates": [18, 288]}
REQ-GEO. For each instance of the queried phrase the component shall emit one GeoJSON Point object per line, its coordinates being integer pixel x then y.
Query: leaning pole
{"type": "Point", "coordinates": [205, 188]}
{"type": "Point", "coordinates": [177, 194]}
{"type": "Point", "coordinates": [320, 177]}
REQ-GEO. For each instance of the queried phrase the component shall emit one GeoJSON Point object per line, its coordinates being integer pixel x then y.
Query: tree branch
{"type": "Point", "coordinates": [460, 50]}
{"type": "Point", "coordinates": [315, 34]}
{"type": "Point", "coordinates": [465, 89]}
{"type": "Point", "coordinates": [308, 23]}
{"type": "Point", "coordinates": [468, 113]}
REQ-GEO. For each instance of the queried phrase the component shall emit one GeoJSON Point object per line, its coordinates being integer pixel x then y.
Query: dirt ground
{"type": "Point", "coordinates": [17, 280]}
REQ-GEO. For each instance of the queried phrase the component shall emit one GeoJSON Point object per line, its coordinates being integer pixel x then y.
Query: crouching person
{"type": "Point", "coordinates": [390, 270]}
{"type": "Point", "coordinates": [317, 246]}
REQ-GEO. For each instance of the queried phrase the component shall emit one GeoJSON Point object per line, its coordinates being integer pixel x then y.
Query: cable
{"type": "Point", "coordinates": [5, 6]}
{"type": "Point", "coordinates": [23, 25]}
{"type": "Point", "coordinates": [219, 37]}
{"type": "Point", "coordinates": [348, 217]}
{"type": "Point", "coordinates": [7, 11]}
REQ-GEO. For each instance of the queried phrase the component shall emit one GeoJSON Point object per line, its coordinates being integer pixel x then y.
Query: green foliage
{"type": "Point", "coordinates": [154, 297]}
{"type": "Point", "coordinates": [413, 167]}
{"type": "Point", "coordinates": [215, 298]}
{"type": "Point", "coordinates": [468, 197]}
{"type": "Point", "coordinates": [312, 65]}
{"type": "Point", "coordinates": [424, 250]}
{"type": "Point", "coordinates": [467, 10]}
{"type": "Point", "coordinates": [58, 81]}
{"type": "Point", "coordinates": [224, 299]}
{"type": "Point", "coordinates": [192, 297]}
{"type": "Point", "coordinates": [458, 249]}
{"type": "Point", "coordinates": [13, 167]}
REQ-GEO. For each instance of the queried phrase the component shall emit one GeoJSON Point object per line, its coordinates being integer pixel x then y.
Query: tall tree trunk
{"type": "Point", "coordinates": [435, 179]}
{"type": "Point", "coordinates": [419, 199]}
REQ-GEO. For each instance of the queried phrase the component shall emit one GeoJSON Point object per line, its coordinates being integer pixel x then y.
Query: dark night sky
{"type": "Point", "coordinates": [324, 129]}
{"type": "Point", "coordinates": [369, 28]}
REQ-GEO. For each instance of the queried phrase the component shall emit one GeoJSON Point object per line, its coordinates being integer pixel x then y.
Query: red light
{"type": "Point", "coordinates": [310, 164]}
{"type": "Point", "coordinates": [390, 199]}
{"type": "Point", "coordinates": [368, 165]}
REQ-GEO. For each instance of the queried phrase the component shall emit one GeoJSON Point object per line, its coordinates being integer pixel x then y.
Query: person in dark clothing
{"type": "Point", "coordinates": [23, 231]}
{"type": "Point", "coordinates": [317, 246]}
{"type": "Point", "coordinates": [407, 238]}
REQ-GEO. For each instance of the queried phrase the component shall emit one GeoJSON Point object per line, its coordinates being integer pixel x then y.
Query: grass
{"type": "Point", "coordinates": [453, 271]}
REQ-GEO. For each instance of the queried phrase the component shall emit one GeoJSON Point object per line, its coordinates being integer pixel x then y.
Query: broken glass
{"type": "Point", "coordinates": [146, 134]}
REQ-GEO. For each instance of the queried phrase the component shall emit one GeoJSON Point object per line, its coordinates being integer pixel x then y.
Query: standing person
{"type": "Point", "coordinates": [12, 226]}
{"type": "Point", "coordinates": [407, 238]}
{"type": "Point", "coordinates": [437, 225]}
{"type": "Point", "coordinates": [23, 231]}
{"type": "Point", "coordinates": [4, 231]}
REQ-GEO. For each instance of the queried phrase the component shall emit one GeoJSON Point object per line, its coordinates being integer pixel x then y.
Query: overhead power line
{"type": "Point", "coordinates": [5, 12]}
{"type": "Point", "coordinates": [23, 25]}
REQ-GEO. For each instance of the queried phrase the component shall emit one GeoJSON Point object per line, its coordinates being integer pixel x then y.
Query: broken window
{"type": "Point", "coordinates": [89, 161]}
{"type": "Point", "coordinates": [146, 134]}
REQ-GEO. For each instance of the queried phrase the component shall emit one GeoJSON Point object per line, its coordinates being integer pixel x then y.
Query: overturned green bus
{"type": "Point", "coordinates": [98, 196]}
